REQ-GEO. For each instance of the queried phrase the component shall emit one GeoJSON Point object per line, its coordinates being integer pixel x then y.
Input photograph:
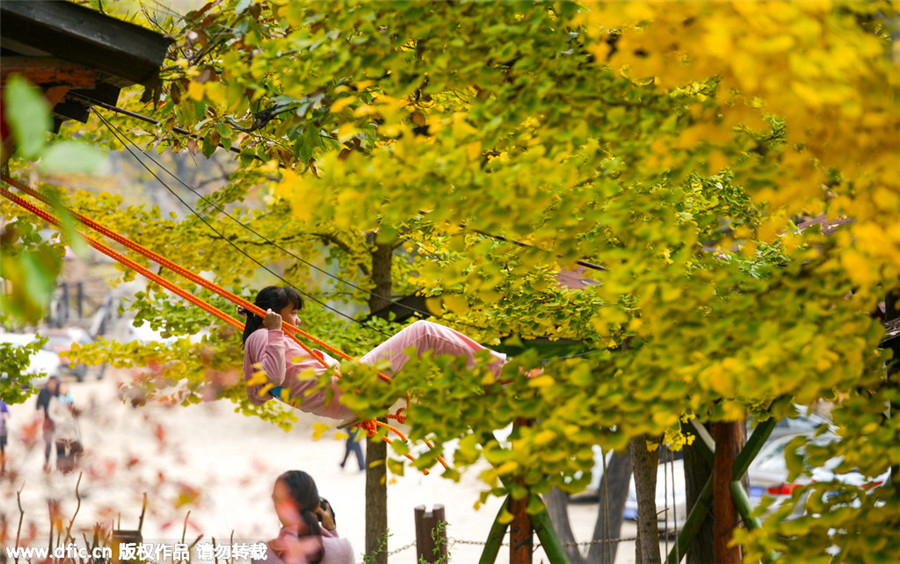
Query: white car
{"type": "Point", "coordinates": [42, 361]}
{"type": "Point", "coordinates": [768, 472]}
{"type": "Point", "coordinates": [60, 341]}
{"type": "Point", "coordinates": [671, 490]}
{"type": "Point", "coordinates": [671, 496]}
{"type": "Point", "coordinates": [144, 334]}
{"type": "Point", "coordinates": [768, 468]}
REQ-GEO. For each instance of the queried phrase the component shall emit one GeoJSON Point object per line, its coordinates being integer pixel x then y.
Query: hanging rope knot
{"type": "Point", "coordinates": [369, 427]}
{"type": "Point", "coordinates": [399, 416]}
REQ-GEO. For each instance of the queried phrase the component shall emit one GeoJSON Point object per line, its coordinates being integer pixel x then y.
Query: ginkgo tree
{"type": "Point", "coordinates": [678, 145]}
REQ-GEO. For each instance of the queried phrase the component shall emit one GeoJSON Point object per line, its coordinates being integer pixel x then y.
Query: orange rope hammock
{"type": "Point", "coordinates": [369, 426]}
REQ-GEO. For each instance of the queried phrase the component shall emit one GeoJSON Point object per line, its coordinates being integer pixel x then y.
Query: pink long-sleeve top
{"type": "Point", "coordinates": [336, 550]}
{"type": "Point", "coordinates": [284, 363]}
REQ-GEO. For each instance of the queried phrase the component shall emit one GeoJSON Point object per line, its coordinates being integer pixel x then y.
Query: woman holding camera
{"type": "Point", "coordinates": [308, 532]}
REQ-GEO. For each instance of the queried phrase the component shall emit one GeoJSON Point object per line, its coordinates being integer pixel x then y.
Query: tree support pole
{"type": "Point", "coordinates": [743, 505]}
{"type": "Point", "coordinates": [539, 522]}
{"type": "Point", "coordinates": [495, 537]}
{"type": "Point", "coordinates": [550, 542]}
{"type": "Point", "coordinates": [703, 505]}
{"type": "Point", "coordinates": [521, 528]}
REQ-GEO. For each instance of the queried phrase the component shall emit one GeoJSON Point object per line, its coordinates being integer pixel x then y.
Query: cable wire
{"type": "Point", "coordinates": [150, 275]}
{"type": "Point", "coordinates": [182, 131]}
{"type": "Point", "coordinates": [273, 243]}
{"type": "Point", "coordinates": [116, 133]}
{"type": "Point", "coordinates": [120, 135]}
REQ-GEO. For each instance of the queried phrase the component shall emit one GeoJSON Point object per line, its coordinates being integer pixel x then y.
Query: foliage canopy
{"type": "Point", "coordinates": [676, 144]}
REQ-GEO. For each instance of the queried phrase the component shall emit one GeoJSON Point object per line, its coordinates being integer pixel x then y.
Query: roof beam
{"type": "Point", "coordinates": [128, 52]}
{"type": "Point", "coordinates": [49, 70]}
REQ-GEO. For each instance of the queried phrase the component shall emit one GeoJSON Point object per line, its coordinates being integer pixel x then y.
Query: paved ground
{"type": "Point", "coordinates": [221, 466]}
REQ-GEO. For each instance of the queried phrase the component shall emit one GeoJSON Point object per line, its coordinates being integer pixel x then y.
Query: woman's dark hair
{"type": "Point", "coordinates": [274, 298]}
{"type": "Point", "coordinates": [304, 491]}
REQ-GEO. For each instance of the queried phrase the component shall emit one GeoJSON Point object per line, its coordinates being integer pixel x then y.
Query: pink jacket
{"type": "Point", "coordinates": [284, 363]}
{"type": "Point", "coordinates": [335, 549]}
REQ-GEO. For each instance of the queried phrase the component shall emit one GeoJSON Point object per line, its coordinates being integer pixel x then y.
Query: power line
{"type": "Point", "coordinates": [116, 133]}
{"type": "Point", "coordinates": [284, 250]}
{"type": "Point", "coordinates": [120, 135]}
{"type": "Point", "coordinates": [269, 241]}
{"type": "Point", "coordinates": [182, 131]}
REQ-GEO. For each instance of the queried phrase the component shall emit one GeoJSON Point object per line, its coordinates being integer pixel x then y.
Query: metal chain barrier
{"type": "Point", "coordinates": [401, 549]}
{"type": "Point", "coordinates": [453, 541]}
{"type": "Point", "coordinates": [599, 541]}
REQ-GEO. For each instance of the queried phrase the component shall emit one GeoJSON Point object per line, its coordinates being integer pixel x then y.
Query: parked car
{"type": "Point", "coordinates": [42, 361]}
{"type": "Point", "coordinates": [60, 341]}
{"type": "Point", "coordinates": [671, 500]}
{"type": "Point", "coordinates": [768, 472]}
{"type": "Point", "coordinates": [145, 334]}
{"type": "Point", "coordinates": [805, 423]}
{"type": "Point", "coordinates": [671, 493]}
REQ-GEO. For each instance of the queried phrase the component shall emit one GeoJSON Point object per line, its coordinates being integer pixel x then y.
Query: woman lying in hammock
{"type": "Point", "coordinates": [267, 347]}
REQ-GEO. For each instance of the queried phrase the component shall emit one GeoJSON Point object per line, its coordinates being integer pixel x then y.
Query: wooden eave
{"type": "Point", "coordinates": [57, 43]}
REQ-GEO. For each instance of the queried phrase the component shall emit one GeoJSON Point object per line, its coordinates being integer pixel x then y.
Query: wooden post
{"type": "Point", "coordinates": [120, 537]}
{"type": "Point", "coordinates": [520, 537]}
{"type": "Point", "coordinates": [728, 436]}
{"type": "Point", "coordinates": [431, 534]}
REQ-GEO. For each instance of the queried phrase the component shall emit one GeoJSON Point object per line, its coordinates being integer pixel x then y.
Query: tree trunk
{"type": "Point", "coordinates": [376, 501]}
{"type": "Point", "coordinates": [696, 473]}
{"type": "Point", "coordinates": [618, 473]}
{"type": "Point", "coordinates": [381, 277]}
{"type": "Point", "coordinates": [645, 465]}
{"type": "Point", "coordinates": [376, 451]}
{"type": "Point", "coordinates": [558, 507]}
{"type": "Point", "coordinates": [616, 480]}
{"type": "Point", "coordinates": [521, 536]}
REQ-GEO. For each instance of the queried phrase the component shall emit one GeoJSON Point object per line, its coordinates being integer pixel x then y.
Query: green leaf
{"type": "Point", "coordinates": [535, 505]}
{"type": "Point", "coordinates": [72, 156]}
{"type": "Point", "coordinates": [28, 115]}
{"type": "Point", "coordinates": [395, 467]}
{"type": "Point", "coordinates": [400, 447]}
{"type": "Point", "coordinates": [67, 226]}
{"type": "Point", "coordinates": [32, 277]}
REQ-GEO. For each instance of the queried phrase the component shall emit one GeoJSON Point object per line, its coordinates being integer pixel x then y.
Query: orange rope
{"type": "Point", "coordinates": [392, 428]}
{"type": "Point", "coordinates": [186, 295]}
{"type": "Point", "coordinates": [128, 262]}
{"type": "Point", "coordinates": [213, 287]}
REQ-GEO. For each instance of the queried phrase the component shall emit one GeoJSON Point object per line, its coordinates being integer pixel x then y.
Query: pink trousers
{"type": "Point", "coordinates": [428, 336]}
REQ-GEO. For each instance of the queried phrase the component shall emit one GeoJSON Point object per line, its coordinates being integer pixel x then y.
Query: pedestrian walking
{"type": "Point", "coordinates": [353, 446]}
